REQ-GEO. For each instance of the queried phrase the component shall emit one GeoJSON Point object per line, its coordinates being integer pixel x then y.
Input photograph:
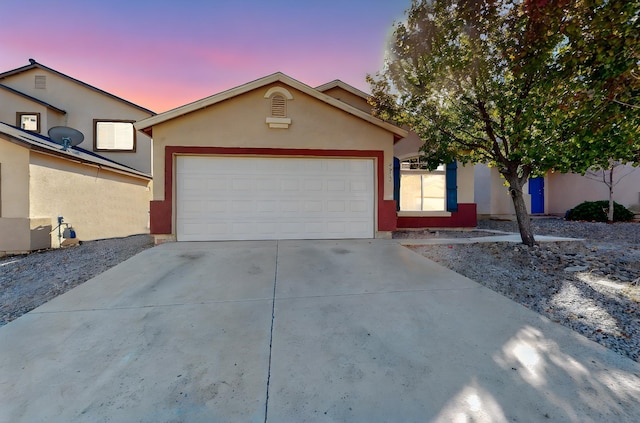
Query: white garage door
{"type": "Point", "coordinates": [249, 198]}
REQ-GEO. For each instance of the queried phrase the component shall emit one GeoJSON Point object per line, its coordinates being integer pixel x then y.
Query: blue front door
{"type": "Point", "coordinates": [536, 189]}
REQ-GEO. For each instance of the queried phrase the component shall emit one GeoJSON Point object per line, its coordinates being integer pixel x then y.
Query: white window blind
{"type": "Point", "coordinates": [114, 136]}
{"type": "Point", "coordinates": [29, 122]}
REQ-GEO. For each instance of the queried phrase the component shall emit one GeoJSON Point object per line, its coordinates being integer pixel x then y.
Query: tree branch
{"type": "Point", "coordinates": [626, 104]}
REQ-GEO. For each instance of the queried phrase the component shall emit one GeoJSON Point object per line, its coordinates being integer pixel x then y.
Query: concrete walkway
{"type": "Point", "coordinates": [301, 331]}
{"type": "Point", "coordinates": [492, 236]}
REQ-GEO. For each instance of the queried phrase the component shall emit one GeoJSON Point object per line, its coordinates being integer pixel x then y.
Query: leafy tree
{"type": "Point", "coordinates": [498, 82]}
{"type": "Point", "coordinates": [602, 54]}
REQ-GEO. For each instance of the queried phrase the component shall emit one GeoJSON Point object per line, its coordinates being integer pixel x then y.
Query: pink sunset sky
{"type": "Point", "coordinates": [162, 54]}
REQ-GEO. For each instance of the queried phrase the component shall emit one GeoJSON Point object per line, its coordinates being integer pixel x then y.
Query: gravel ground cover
{"type": "Point", "coordinates": [27, 281]}
{"type": "Point", "coordinates": [590, 287]}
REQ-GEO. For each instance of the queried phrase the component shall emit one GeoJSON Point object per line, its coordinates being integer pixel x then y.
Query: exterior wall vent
{"type": "Point", "coordinates": [41, 82]}
{"type": "Point", "coordinates": [278, 106]}
{"type": "Point", "coordinates": [278, 98]}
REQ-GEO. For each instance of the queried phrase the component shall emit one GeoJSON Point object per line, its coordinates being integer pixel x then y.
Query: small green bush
{"type": "Point", "coordinates": [597, 211]}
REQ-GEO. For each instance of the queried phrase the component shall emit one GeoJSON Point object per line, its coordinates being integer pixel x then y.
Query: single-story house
{"type": "Point", "coordinates": [554, 193]}
{"type": "Point", "coordinates": [442, 198]}
{"type": "Point", "coordinates": [40, 181]}
{"type": "Point", "coordinates": [278, 159]}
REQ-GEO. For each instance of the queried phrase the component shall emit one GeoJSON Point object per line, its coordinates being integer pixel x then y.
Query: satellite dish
{"type": "Point", "coordinates": [65, 136]}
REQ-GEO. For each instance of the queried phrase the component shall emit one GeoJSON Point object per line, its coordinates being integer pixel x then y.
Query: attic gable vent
{"type": "Point", "coordinates": [41, 82]}
{"type": "Point", "coordinates": [278, 106]}
{"type": "Point", "coordinates": [278, 98]}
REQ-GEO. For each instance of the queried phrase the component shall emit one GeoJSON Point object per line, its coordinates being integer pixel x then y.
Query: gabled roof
{"type": "Point", "coordinates": [337, 83]}
{"type": "Point", "coordinates": [146, 125]}
{"type": "Point", "coordinates": [44, 144]}
{"type": "Point", "coordinates": [35, 100]}
{"type": "Point", "coordinates": [35, 65]}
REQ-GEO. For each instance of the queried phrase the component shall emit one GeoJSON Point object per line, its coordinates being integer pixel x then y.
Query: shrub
{"type": "Point", "coordinates": [597, 211]}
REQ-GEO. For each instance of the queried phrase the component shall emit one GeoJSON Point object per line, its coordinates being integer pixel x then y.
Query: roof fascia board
{"type": "Point", "coordinates": [35, 100]}
{"type": "Point", "coordinates": [148, 123]}
{"type": "Point", "coordinates": [44, 145]}
{"type": "Point", "coordinates": [35, 65]}
{"type": "Point", "coordinates": [340, 84]}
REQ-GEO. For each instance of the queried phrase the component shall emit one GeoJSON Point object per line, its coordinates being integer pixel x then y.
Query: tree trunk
{"type": "Point", "coordinates": [522, 215]}
{"type": "Point", "coordinates": [610, 184]}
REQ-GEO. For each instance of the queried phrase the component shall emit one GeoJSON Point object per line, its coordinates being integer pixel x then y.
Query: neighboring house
{"type": "Point", "coordinates": [36, 98]}
{"type": "Point", "coordinates": [39, 181]}
{"type": "Point", "coordinates": [101, 187]}
{"type": "Point", "coordinates": [277, 159]}
{"type": "Point", "coordinates": [553, 194]}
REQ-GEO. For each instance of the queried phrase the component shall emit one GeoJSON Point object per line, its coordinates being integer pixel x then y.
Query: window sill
{"type": "Point", "coordinates": [278, 122]}
{"type": "Point", "coordinates": [424, 214]}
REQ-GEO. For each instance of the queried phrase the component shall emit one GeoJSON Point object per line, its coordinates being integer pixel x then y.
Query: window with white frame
{"type": "Point", "coordinates": [422, 189]}
{"type": "Point", "coordinates": [114, 135]}
{"type": "Point", "coordinates": [28, 121]}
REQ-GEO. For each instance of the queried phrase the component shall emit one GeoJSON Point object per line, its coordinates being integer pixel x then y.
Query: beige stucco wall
{"type": "Point", "coordinates": [240, 122]}
{"type": "Point", "coordinates": [14, 235]}
{"type": "Point", "coordinates": [465, 183]}
{"type": "Point", "coordinates": [492, 196]}
{"type": "Point", "coordinates": [349, 98]}
{"type": "Point", "coordinates": [561, 191]}
{"type": "Point", "coordinates": [14, 179]}
{"type": "Point", "coordinates": [568, 190]}
{"type": "Point", "coordinates": [18, 233]}
{"type": "Point", "coordinates": [98, 203]}
{"type": "Point", "coordinates": [408, 147]}
{"type": "Point", "coordinates": [13, 103]}
{"type": "Point", "coordinates": [83, 105]}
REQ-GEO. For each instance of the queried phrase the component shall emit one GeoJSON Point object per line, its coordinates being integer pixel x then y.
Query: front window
{"type": "Point", "coordinates": [29, 121]}
{"type": "Point", "coordinates": [422, 189]}
{"type": "Point", "coordinates": [112, 135]}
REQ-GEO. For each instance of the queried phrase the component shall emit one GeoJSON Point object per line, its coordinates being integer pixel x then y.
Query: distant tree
{"type": "Point", "coordinates": [610, 177]}
{"type": "Point", "coordinates": [496, 81]}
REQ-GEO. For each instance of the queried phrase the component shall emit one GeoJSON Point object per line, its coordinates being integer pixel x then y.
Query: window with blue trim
{"type": "Point", "coordinates": [422, 189]}
{"type": "Point", "coordinates": [428, 190]}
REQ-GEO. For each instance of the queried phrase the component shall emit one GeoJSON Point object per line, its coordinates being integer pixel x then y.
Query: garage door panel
{"type": "Point", "coordinates": [313, 206]}
{"type": "Point", "coordinates": [335, 206]}
{"type": "Point", "coordinates": [336, 185]}
{"type": "Point", "coordinates": [216, 206]}
{"type": "Point", "coordinates": [358, 206]}
{"type": "Point", "coordinates": [231, 198]}
{"type": "Point", "coordinates": [266, 184]}
{"type": "Point", "coordinates": [312, 185]}
{"type": "Point", "coordinates": [266, 206]}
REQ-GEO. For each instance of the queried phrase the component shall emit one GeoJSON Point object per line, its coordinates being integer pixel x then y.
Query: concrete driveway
{"type": "Point", "coordinates": [296, 331]}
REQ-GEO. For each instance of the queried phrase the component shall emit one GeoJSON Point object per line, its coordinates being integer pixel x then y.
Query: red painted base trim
{"type": "Point", "coordinates": [387, 216]}
{"type": "Point", "coordinates": [162, 213]}
{"type": "Point", "coordinates": [465, 217]}
{"type": "Point", "coordinates": [160, 222]}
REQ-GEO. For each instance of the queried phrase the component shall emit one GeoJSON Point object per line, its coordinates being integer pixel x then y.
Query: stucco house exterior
{"type": "Point", "coordinates": [35, 97]}
{"type": "Point", "coordinates": [554, 193]}
{"type": "Point", "coordinates": [277, 159]}
{"type": "Point", "coordinates": [443, 198]}
{"type": "Point", "coordinates": [39, 181]}
{"type": "Point", "coordinates": [102, 187]}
